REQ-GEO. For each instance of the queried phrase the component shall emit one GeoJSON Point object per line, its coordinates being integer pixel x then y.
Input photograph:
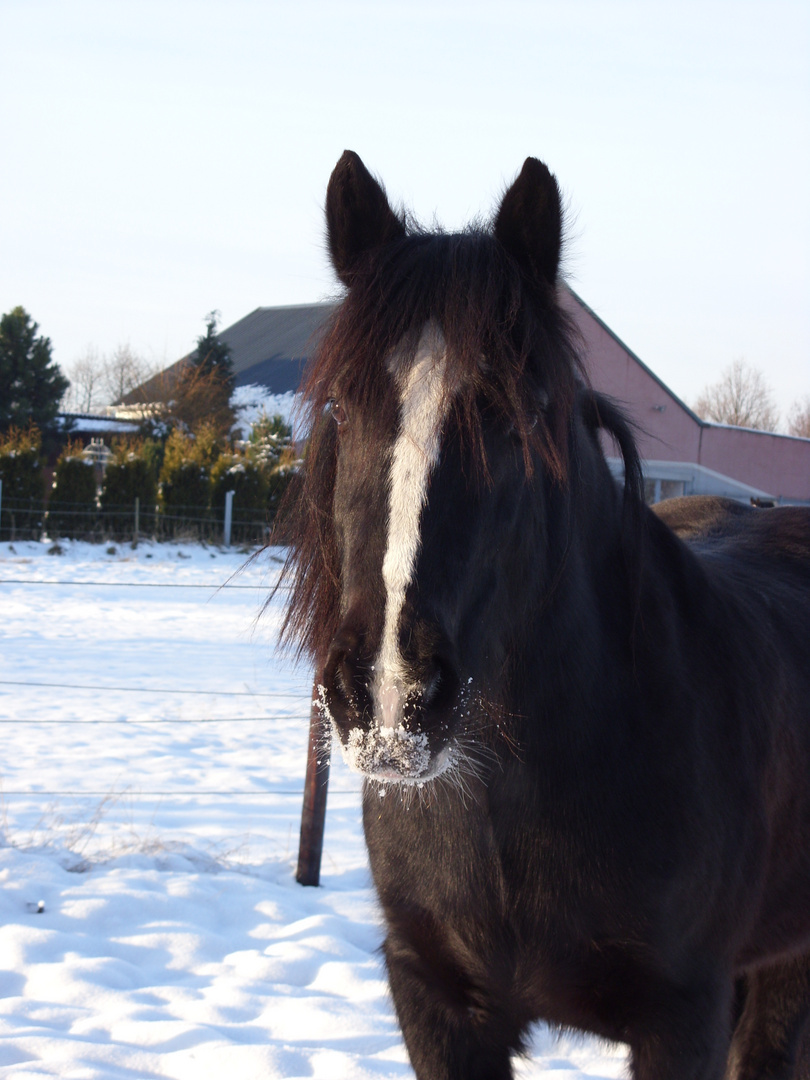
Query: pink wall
{"type": "Point", "coordinates": [669, 431]}
{"type": "Point", "coordinates": [666, 430]}
{"type": "Point", "coordinates": [778, 464]}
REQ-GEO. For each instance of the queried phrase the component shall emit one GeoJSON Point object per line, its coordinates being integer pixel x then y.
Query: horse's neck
{"type": "Point", "coordinates": [616, 570]}
{"type": "Point", "coordinates": [598, 544]}
{"type": "Point", "coordinates": [590, 600]}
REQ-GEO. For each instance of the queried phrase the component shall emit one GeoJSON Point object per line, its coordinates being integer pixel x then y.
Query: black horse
{"type": "Point", "coordinates": [591, 722]}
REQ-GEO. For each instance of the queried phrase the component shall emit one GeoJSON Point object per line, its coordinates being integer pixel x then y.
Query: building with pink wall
{"type": "Point", "coordinates": [682, 454]}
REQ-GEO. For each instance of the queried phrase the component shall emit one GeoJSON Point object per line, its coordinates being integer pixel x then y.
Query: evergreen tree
{"type": "Point", "coordinates": [31, 384]}
{"type": "Point", "coordinates": [213, 357]}
{"type": "Point", "coordinates": [185, 476]}
{"type": "Point", "coordinates": [271, 444]}
{"type": "Point", "coordinates": [21, 472]}
{"type": "Point", "coordinates": [202, 393]}
{"type": "Point", "coordinates": [130, 475]}
{"type": "Point", "coordinates": [269, 438]}
{"type": "Point", "coordinates": [72, 510]}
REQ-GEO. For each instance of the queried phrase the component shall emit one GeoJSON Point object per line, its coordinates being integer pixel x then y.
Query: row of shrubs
{"type": "Point", "coordinates": [180, 485]}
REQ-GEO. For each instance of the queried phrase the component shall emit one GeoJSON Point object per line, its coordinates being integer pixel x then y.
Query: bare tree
{"type": "Point", "coordinates": [191, 396]}
{"type": "Point", "coordinates": [85, 392]}
{"type": "Point", "coordinates": [97, 379]}
{"type": "Point", "coordinates": [123, 372]}
{"type": "Point", "coordinates": [799, 418]}
{"type": "Point", "coordinates": [741, 397]}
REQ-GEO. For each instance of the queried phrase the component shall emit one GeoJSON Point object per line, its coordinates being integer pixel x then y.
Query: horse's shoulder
{"type": "Point", "coordinates": [782, 530]}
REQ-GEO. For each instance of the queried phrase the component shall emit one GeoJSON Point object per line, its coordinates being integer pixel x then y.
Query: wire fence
{"type": "Point", "coordinates": [98, 690]}
{"type": "Point", "coordinates": [212, 588]}
{"type": "Point", "coordinates": [33, 519]}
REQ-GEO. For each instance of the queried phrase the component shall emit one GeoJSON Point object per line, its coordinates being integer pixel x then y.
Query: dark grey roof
{"type": "Point", "coordinates": [269, 347]}
{"type": "Point", "coordinates": [271, 344]}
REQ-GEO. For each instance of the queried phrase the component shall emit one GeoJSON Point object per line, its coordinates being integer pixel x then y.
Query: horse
{"type": "Point", "coordinates": [583, 723]}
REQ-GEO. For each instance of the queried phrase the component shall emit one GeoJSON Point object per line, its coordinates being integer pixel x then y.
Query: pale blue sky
{"type": "Point", "coordinates": [162, 158]}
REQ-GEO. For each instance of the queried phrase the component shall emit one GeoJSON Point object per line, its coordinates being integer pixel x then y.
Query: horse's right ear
{"type": "Point", "coordinates": [529, 222]}
{"type": "Point", "coordinates": [358, 215]}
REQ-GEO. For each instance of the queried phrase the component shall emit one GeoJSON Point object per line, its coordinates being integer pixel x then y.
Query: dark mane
{"type": "Point", "coordinates": [600, 413]}
{"type": "Point", "coordinates": [515, 353]}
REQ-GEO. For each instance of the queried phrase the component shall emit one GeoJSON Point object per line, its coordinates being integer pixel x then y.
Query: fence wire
{"type": "Point", "coordinates": [32, 519]}
{"type": "Point", "coordinates": [303, 695]}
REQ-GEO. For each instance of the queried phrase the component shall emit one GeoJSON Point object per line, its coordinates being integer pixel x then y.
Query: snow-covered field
{"type": "Point", "coordinates": [153, 751]}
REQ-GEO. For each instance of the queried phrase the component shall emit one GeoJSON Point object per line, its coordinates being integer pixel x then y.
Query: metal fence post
{"type": "Point", "coordinates": [137, 518]}
{"type": "Point", "coordinates": [228, 517]}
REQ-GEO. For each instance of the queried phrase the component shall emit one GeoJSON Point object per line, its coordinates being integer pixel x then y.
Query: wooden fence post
{"type": "Point", "coordinates": [316, 783]}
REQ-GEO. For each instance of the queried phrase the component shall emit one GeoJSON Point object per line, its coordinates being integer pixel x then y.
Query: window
{"type": "Point", "coordinates": [656, 489]}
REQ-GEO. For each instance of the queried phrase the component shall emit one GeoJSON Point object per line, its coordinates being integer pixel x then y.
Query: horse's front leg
{"type": "Point", "coordinates": [774, 1023]}
{"type": "Point", "coordinates": [451, 1030]}
{"type": "Point", "coordinates": [686, 1036]}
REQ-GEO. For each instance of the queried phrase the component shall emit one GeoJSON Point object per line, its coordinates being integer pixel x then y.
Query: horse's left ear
{"type": "Point", "coordinates": [358, 215]}
{"type": "Point", "coordinates": [529, 222]}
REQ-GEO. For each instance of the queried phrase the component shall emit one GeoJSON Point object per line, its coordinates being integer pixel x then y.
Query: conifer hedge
{"type": "Point", "coordinates": [130, 475]}
{"type": "Point", "coordinates": [180, 486]}
{"type": "Point", "coordinates": [22, 473]}
{"type": "Point", "coordinates": [73, 505]}
{"type": "Point", "coordinates": [184, 491]}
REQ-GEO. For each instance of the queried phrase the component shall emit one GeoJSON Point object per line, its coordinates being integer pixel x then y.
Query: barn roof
{"type": "Point", "coordinates": [271, 344]}
{"type": "Point", "coordinates": [269, 347]}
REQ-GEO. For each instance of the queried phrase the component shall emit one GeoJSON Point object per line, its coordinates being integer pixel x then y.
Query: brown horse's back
{"type": "Point", "coordinates": [714, 527]}
{"type": "Point", "coordinates": [778, 531]}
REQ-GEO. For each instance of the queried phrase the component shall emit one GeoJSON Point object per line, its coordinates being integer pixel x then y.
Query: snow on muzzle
{"type": "Point", "coordinates": [400, 730]}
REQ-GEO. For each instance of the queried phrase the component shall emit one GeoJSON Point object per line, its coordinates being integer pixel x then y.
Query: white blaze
{"type": "Point", "coordinates": [423, 406]}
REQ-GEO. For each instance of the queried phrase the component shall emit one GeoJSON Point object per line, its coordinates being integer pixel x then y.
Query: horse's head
{"type": "Point", "coordinates": [441, 398]}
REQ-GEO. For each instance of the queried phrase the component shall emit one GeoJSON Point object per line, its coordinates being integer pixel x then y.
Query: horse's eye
{"type": "Point", "coordinates": [530, 424]}
{"type": "Point", "coordinates": [338, 412]}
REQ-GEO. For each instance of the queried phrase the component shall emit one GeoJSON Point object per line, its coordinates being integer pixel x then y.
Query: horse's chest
{"type": "Point", "coordinates": [513, 922]}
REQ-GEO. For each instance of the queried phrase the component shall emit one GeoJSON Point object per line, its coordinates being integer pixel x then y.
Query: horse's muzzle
{"type": "Point", "coordinates": [392, 724]}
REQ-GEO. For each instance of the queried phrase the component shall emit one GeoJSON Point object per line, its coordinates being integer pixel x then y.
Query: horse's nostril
{"type": "Point", "coordinates": [338, 674]}
{"type": "Point", "coordinates": [440, 683]}
{"type": "Point", "coordinates": [344, 673]}
{"type": "Point", "coordinates": [432, 687]}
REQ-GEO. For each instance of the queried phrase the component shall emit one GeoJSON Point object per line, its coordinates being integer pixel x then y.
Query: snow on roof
{"type": "Point", "coordinates": [80, 422]}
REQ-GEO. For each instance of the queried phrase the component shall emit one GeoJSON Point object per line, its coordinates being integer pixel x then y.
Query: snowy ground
{"type": "Point", "coordinates": [153, 748]}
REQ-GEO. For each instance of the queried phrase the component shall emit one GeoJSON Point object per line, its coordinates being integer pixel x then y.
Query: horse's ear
{"type": "Point", "coordinates": [358, 215]}
{"type": "Point", "coordinates": [529, 222]}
